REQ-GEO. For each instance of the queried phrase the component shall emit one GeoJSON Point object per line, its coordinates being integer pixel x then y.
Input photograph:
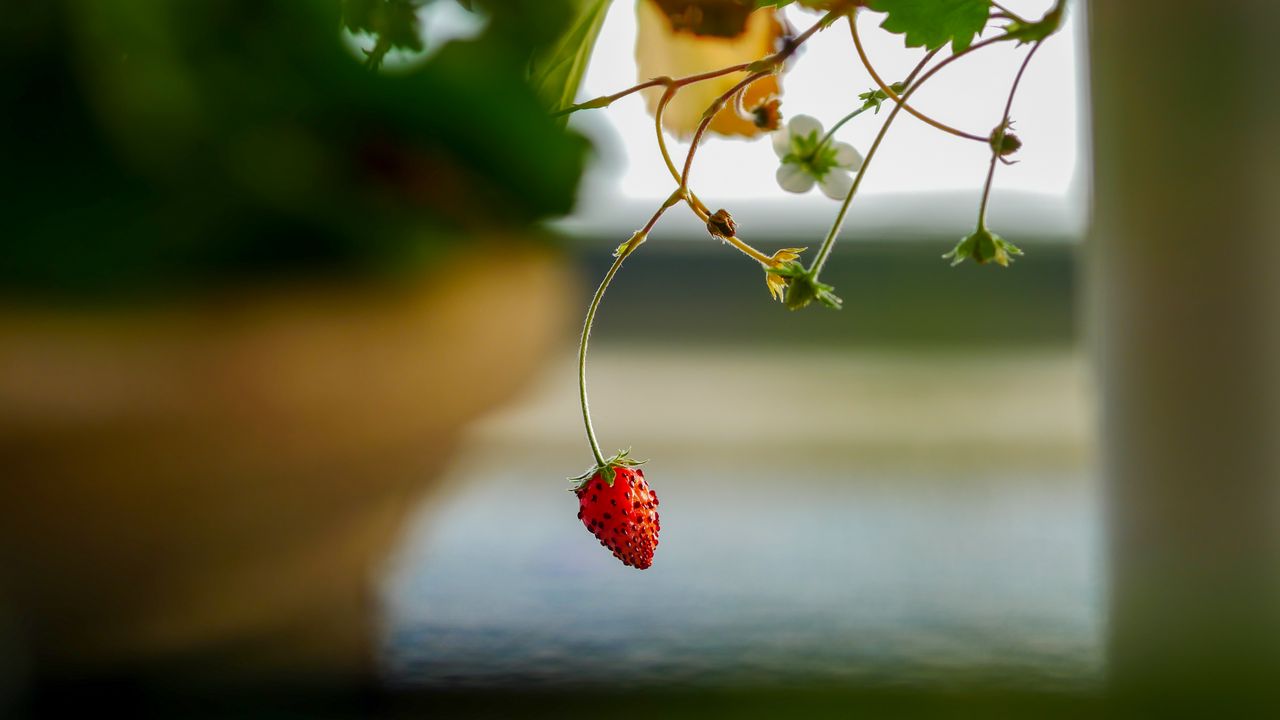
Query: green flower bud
{"type": "Point", "coordinates": [983, 247]}
{"type": "Point", "coordinates": [1003, 142]}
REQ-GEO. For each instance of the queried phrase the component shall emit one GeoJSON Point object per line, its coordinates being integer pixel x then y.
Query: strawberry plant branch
{"type": "Point", "coordinates": [632, 539]}
{"type": "Point", "coordinates": [824, 251]}
{"type": "Point", "coordinates": [763, 68]}
{"type": "Point", "coordinates": [770, 63]}
{"type": "Point", "coordinates": [826, 139]}
{"type": "Point", "coordinates": [663, 81]}
{"type": "Point", "coordinates": [901, 100]}
{"type": "Point", "coordinates": [695, 204]}
{"type": "Point", "coordinates": [708, 116]}
{"type": "Point", "coordinates": [997, 137]}
{"type": "Point", "coordinates": [620, 255]}
{"type": "Point", "coordinates": [766, 67]}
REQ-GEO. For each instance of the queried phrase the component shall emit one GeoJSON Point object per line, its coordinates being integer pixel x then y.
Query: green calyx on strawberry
{"type": "Point", "coordinates": [608, 469]}
{"type": "Point", "coordinates": [617, 506]}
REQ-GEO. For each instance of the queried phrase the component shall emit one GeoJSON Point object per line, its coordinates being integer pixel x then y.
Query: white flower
{"type": "Point", "coordinates": [806, 159]}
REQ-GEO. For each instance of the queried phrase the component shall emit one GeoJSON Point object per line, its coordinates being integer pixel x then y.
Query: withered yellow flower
{"type": "Point", "coordinates": [663, 50]}
{"type": "Point", "coordinates": [777, 284]}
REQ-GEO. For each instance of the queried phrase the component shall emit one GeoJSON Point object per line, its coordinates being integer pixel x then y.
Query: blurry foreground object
{"type": "Point", "coordinates": [250, 293]}
{"type": "Point", "coordinates": [1190, 354]}
{"type": "Point", "coordinates": [211, 489]}
{"type": "Point", "coordinates": [162, 149]}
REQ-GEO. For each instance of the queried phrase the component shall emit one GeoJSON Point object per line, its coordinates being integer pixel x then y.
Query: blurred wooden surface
{"type": "Point", "coordinates": [208, 492]}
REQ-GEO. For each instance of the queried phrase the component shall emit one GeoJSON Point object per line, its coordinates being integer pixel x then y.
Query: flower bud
{"type": "Point", "coordinates": [721, 224]}
{"type": "Point", "coordinates": [767, 116]}
{"type": "Point", "coordinates": [1003, 142]}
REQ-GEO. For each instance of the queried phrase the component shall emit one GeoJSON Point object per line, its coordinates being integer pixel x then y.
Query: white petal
{"type": "Point", "coordinates": [781, 142]}
{"type": "Point", "coordinates": [847, 156]}
{"type": "Point", "coordinates": [836, 184]}
{"type": "Point", "coordinates": [802, 125]}
{"type": "Point", "coordinates": [793, 178]}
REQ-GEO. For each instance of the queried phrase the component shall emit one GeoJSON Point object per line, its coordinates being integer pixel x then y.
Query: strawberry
{"type": "Point", "coordinates": [618, 507]}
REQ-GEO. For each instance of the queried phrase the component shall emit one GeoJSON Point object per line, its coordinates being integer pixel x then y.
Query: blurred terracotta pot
{"type": "Point", "coordinates": [211, 489]}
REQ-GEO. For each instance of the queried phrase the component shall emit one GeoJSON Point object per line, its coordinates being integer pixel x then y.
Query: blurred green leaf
{"type": "Point", "coordinates": [557, 73]}
{"type": "Point", "coordinates": [158, 147]}
{"type": "Point", "coordinates": [393, 22]}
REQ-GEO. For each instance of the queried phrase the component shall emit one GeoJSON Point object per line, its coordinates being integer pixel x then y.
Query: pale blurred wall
{"type": "Point", "coordinates": [1186, 302]}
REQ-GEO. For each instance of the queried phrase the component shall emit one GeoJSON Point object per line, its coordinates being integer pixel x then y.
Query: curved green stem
{"type": "Point", "coordinates": [624, 251]}
{"type": "Point", "coordinates": [582, 352]}
{"type": "Point", "coordinates": [901, 101]}
{"type": "Point", "coordinates": [707, 117]}
{"type": "Point", "coordinates": [823, 252]}
{"type": "Point", "coordinates": [831, 133]}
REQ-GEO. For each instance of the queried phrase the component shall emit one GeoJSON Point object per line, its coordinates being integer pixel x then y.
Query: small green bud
{"type": "Point", "coordinates": [983, 247]}
{"type": "Point", "coordinates": [1003, 142]}
{"type": "Point", "coordinates": [630, 245]}
{"type": "Point", "coordinates": [802, 289]}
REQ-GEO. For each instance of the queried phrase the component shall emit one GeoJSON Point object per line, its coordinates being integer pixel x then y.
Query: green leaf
{"type": "Point", "coordinates": [934, 23]}
{"type": "Point", "coordinates": [394, 24]}
{"type": "Point", "coordinates": [311, 166]}
{"type": "Point", "coordinates": [393, 21]}
{"type": "Point", "coordinates": [874, 99]}
{"type": "Point", "coordinates": [556, 73]}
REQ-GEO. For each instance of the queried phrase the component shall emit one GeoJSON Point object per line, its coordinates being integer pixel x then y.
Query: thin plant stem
{"type": "Point", "coordinates": [681, 193]}
{"type": "Point", "coordinates": [901, 100]}
{"type": "Point", "coordinates": [831, 133]}
{"type": "Point", "coordinates": [1007, 12]}
{"type": "Point", "coordinates": [695, 204]}
{"type": "Point", "coordinates": [823, 252]}
{"type": "Point", "coordinates": [621, 255]}
{"type": "Point", "coordinates": [582, 355]}
{"type": "Point", "coordinates": [910, 79]}
{"type": "Point", "coordinates": [664, 81]}
{"type": "Point", "coordinates": [699, 209]}
{"type": "Point", "coordinates": [773, 61]}
{"type": "Point", "coordinates": [1000, 133]}
{"type": "Point", "coordinates": [708, 116]}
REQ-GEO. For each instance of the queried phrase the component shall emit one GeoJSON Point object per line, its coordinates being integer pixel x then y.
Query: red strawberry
{"type": "Point", "coordinates": [622, 514]}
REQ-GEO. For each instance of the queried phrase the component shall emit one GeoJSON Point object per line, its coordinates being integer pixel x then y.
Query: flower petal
{"type": "Point", "coordinates": [847, 156]}
{"type": "Point", "coordinates": [793, 178]}
{"type": "Point", "coordinates": [836, 184]}
{"type": "Point", "coordinates": [776, 285]}
{"type": "Point", "coordinates": [781, 142]}
{"type": "Point", "coordinates": [802, 125]}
